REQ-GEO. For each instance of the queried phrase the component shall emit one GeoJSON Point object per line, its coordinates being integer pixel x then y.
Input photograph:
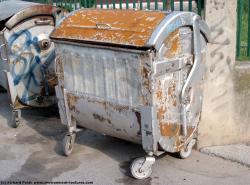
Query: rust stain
{"type": "Point", "coordinates": [138, 117]}
{"type": "Point", "coordinates": [171, 89]}
{"type": "Point", "coordinates": [160, 113]}
{"type": "Point", "coordinates": [174, 130]}
{"type": "Point", "coordinates": [144, 100]}
{"type": "Point", "coordinates": [117, 107]}
{"type": "Point", "coordinates": [101, 118]}
{"type": "Point", "coordinates": [18, 104]}
{"type": "Point", "coordinates": [106, 104]}
{"type": "Point", "coordinates": [49, 84]}
{"type": "Point", "coordinates": [173, 44]}
{"type": "Point", "coordinates": [126, 27]}
{"type": "Point", "coordinates": [159, 93]}
{"type": "Point", "coordinates": [72, 99]}
{"type": "Point", "coordinates": [145, 73]}
{"type": "Point", "coordinates": [170, 129]}
{"type": "Point", "coordinates": [59, 67]}
{"type": "Point", "coordinates": [172, 94]}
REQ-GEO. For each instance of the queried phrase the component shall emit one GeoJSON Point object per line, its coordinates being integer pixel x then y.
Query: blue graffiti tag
{"type": "Point", "coordinates": [29, 65]}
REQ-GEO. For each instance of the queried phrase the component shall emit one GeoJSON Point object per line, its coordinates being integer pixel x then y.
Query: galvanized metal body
{"type": "Point", "coordinates": [135, 92]}
{"type": "Point", "coordinates": [27, 54]}
{"type": "Point", "coordinates": [10, 8]}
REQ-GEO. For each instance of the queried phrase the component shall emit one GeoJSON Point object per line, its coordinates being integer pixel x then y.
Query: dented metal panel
{"type": "Point", "coordinates": [124, 27]}
{"type": "Point", "coordinates": [113, 119]}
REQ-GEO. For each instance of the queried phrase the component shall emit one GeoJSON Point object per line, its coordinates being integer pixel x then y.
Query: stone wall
{"type": "Point", "coordinates": [226, 107]}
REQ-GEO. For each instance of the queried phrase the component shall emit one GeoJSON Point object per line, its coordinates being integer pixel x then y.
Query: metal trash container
{"type": "Point", "coordinates": [134, 75]}
{"type": "Point", "coordinates": [27, 54]}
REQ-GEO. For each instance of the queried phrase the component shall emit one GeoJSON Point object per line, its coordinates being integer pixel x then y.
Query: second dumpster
{"type": "Point", "coordinates": [134, 75]}
{"type": "Point", "coordinates": [27, 54]}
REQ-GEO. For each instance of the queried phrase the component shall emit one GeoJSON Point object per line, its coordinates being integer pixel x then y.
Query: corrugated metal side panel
{"type": "Point", "coordinates": [109, 75]}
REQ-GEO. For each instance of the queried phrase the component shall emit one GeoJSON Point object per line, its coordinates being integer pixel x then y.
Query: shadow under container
{"type": "Point", "coordinates": [27, 55]}
{"type": "Point", "coordinates": [134, 75]}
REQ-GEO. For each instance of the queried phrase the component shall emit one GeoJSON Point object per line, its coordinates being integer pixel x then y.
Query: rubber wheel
{"type": "Point", "coordinates": [68, 144]}
{"type": "Point", "coordinates": [16, 116]}
{"type": "Point", "coordinates": [187, 150]}
{"type": "Point", "coordinates": [135, 169]}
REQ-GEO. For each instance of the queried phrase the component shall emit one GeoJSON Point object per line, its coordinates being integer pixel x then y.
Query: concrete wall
{"type": "Point", "coordinates": [226, 107]}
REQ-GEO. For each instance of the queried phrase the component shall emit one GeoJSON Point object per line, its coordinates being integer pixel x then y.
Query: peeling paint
{"type": "Point", "coordinates": [126, 27]}
{"type": "Point", "coordinates": [173, 44]}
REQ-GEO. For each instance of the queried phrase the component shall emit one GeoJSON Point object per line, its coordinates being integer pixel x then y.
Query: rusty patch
{"type": "Point", "coordinates": [146, 85]}
{"type": "Point", "coordinates": [72, 99]}
{"type": "Point", "coordinates": [18, 104]}
{"type": "Point", "coordinates": [146, 80]}
{"type": "Point", "coordinates": [59, 68]}
{"type": "Point", "coordinates": [172, 94]}
{"type": "Point", "coordinates": [173, 44]}
{"type": "Point", "coordinates": [170, 129]}
{"type": "Point", "coordinates": [48, 86]}
{"type": "Point", "coordinates": [138, 118]}
{"type": "Point", "coordinates": [171, 89]}
{"type": "Point", "coordinates": [117, 107]}
{"type": "Point", "coordinates": [125, 27]}
{"type": "Point", "coordinates": [174, 130]}
{"type": "Point", "coordinates": [106, 104]}
{"type": "Point", "coordinates": [101, 118]}
{"type": "Point", "coordinates": [144, 72]}
{"type": "Point", "coordinates": [160, 113]}
{"type": "Point", "coordinates": [159, 93]}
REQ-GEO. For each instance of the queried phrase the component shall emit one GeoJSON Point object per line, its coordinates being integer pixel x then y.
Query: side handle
{"type": "Point", "coordinates": [194, 71]}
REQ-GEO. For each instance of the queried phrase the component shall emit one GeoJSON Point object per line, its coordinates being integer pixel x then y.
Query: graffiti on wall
{"type": "Point", "coordinates": [221, 52]}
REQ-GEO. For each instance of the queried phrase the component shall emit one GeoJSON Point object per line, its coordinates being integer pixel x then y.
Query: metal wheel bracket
{"type": "Point", "coordinates": [191, 144]}
{"type": "Point", "coordinates": [149, 161]}
{"type": "Point", "coordinates": [17, 114]}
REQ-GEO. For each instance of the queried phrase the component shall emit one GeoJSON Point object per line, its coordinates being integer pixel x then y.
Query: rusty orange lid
{"type": "Point", "coordinates": [125, 27]}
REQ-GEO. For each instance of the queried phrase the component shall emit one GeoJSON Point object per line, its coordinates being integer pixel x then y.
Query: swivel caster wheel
{"type": "Point", "coordinates": [186, 152]}
{"type": "Point", "coordinates": [68, 143]}
{"type": "Point", "coordinates": [16, 118]}
{"type": "Point", "coordinates": [141, 168]}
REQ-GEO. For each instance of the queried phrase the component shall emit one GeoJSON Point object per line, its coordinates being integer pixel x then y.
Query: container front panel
{"type": "Point", "coordinates": [103, 89]}
{"type": "Point", "coordinates": [111, 75]}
